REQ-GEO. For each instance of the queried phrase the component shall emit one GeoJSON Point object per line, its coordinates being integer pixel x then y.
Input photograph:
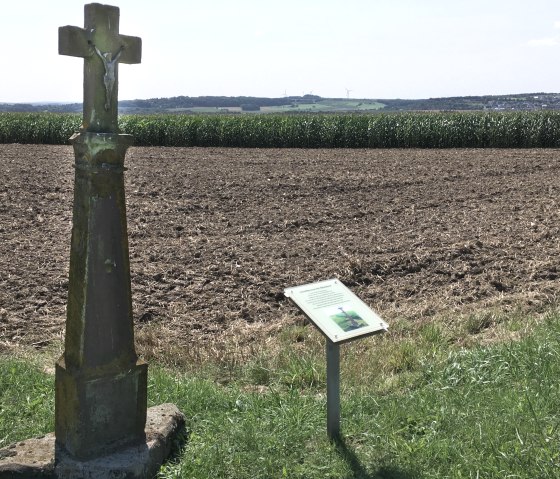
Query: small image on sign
{"type": "Point", "coordinates": [348, 320]}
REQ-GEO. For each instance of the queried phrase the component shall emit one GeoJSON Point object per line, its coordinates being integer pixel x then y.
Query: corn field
{"type": "Point", "coordinates": [393, 130]}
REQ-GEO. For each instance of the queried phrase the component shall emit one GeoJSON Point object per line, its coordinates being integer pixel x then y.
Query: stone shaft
{"type": "Point", "coordinates": [99, 329]}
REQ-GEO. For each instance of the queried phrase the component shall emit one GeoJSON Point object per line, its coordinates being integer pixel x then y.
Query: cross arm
{"type": "Point", "coordinates": [132, 49]}
{"type": "Point", "coordinates": [74, 41]}
{"type": "Point", "coordinates": [78, 42]}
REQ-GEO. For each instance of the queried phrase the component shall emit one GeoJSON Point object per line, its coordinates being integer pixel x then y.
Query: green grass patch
{"type": "Point", "coordinates": [26, 400]}
{"type": "Point", "coordinates": [414, 404]}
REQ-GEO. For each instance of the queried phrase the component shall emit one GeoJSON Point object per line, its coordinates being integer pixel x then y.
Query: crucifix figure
{"type": "Point", "coordinates": [109, 78]}
{"type": "Point", "coordinates": [95, 43]}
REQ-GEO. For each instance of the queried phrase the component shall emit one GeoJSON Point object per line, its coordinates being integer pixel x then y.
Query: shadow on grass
{"type": "Point", "coordinates": [360, 472]}
{"type": "Point", "coordinates": [178, 446]}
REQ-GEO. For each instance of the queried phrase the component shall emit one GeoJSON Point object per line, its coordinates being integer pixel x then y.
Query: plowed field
{"type": "Point", "coordinates": [216, 234]}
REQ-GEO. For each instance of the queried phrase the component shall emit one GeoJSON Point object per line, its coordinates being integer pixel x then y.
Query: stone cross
{"type": "Point", "coordinates": [103, 428]}
{"type": "Point", "coordinates": [102, 48]}
{"type": "Point", "coordinates": [101, 386]}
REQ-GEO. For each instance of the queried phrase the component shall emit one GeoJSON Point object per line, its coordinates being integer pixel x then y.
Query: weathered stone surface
{"type": "Point", "coordinates": [99, 325]}
{"type": "Point", "coordinates": [100, 385]}
{"type": "Point", "coordinates": [35, 458]}
{"type": "Point", "coordinates": [97, 415]}
{"type": "Point", "coordinates": [29, 459]}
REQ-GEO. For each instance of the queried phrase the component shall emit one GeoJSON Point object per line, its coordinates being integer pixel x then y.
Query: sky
{"type": "Point", "coordinates": [331, 48]}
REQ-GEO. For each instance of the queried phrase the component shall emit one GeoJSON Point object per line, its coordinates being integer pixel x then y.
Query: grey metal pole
{"type": "Point", "coordinates": [333, 390]}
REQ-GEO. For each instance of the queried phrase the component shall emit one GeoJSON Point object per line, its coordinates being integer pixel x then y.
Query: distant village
{"type": "Point", "coordinates": [518, 102]}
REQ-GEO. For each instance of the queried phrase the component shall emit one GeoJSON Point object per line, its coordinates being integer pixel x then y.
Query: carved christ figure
{"type": "Point", "coordinates": [109, 78]}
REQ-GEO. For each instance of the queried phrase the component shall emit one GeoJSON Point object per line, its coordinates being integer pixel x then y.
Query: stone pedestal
{"type": "Point", "coordinates": [101, 387]}
{"type": "Point", "coordinates": [99, 414]}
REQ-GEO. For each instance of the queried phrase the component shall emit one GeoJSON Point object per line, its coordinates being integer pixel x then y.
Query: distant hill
{"type": "Point", "coordinates": [308, 103]}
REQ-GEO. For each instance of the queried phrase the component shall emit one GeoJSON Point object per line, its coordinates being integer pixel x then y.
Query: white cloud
{"type": "Point", "coordinates": [557, 24]}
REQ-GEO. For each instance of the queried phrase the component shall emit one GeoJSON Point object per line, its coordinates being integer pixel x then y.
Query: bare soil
{"type": "Point", "coordinates": [216, 235]}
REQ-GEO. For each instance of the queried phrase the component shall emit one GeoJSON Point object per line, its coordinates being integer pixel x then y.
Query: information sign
{"type": "Point", "coordinates": [338, 313]}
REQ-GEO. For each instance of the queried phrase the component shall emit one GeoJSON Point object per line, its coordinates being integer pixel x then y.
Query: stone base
{"type": "Point", "coordinates": [100, 415]}
{"type": "Point", "coordinates": [40, 458]}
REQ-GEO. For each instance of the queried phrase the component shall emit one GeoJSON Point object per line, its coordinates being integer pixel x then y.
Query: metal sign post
{"type": "Point", "coordinates": [341, 316]}
{"type": "Point", "coordinates": [333, 390]}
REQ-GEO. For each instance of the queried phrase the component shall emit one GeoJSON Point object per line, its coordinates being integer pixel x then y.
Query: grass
{"type": "Point", "coordinates": [26, 400]}
{"type": "Point", "coordinates": [415, 404]}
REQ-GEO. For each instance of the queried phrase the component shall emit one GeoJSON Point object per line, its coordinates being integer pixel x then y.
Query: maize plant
{"type": "Point", "coordinates": [378, 130]}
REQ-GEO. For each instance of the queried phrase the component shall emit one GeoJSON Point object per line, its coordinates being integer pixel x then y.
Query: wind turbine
{"type": "Point", "coordinates": [347, 93]}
